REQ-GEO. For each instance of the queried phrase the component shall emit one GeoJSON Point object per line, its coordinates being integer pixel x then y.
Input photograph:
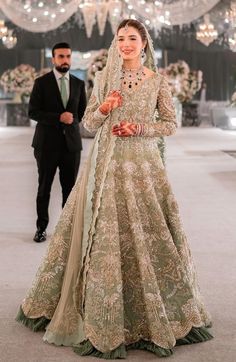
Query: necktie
{"type": "Point", "coordinates": [64, 95]}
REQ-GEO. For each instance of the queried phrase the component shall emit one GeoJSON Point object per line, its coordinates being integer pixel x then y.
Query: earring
{"type": "Point", "coordinates": [143, 56]}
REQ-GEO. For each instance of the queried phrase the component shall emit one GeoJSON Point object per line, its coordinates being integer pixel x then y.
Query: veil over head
{"type": "Point", "coordinates": [110, 77]}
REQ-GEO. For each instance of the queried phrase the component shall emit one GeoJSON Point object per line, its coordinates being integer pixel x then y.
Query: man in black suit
{"type": "Point", "coordinates": [57, 103]}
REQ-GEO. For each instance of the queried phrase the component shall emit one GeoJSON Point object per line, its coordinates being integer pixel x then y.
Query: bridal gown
{"type": "Point", "coordinates": [118, 272]}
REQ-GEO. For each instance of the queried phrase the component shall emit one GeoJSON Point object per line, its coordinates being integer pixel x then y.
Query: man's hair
{"type": "Point", "coordinates": [60, 46]}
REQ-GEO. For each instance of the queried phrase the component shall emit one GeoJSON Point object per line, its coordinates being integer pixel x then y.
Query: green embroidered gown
{"type": "Point", "coordinates": [118, 273]}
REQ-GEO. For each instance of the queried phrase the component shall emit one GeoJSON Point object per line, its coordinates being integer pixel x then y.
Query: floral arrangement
{"type": "Point", "coordinates": [18, 80]}
{"type": "Point", "coordinates": [184, 83]}
{"type": "Point", "coordinates": [233, 100]}
{"type": "Point", "coordinates": [98, 63]}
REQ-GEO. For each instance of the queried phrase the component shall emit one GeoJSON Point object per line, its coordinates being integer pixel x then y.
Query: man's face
{"type": "Point", "coordinates": [62, 60]}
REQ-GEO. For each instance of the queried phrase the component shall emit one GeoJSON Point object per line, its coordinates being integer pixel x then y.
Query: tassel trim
{"type": "Point", "coordinates": [36, 324]}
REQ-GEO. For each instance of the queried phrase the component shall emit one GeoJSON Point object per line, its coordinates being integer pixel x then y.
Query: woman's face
{"type": "Point", "coordinates": [129, 43]}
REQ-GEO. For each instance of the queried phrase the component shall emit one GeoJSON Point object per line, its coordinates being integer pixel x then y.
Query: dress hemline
{"type": "Point", "coordinates": [86, 348]}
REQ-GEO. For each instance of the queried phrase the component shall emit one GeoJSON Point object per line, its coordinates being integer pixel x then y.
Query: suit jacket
{"type": "Point", "coordinates": [46, 106]}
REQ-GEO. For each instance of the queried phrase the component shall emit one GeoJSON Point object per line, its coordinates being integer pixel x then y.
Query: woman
{"type": "Point", "coordinates": [118, 273]}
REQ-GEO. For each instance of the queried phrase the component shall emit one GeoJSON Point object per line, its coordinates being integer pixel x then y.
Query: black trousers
{"type": "Point", "coordinates": [48, 162]}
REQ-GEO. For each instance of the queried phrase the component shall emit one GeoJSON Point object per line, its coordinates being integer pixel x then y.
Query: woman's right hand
{"type": "Point", "coordinates": [113, 101]}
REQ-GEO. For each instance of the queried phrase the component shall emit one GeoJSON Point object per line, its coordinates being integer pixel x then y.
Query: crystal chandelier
{"type": "Point", "coordinates": [232, 43]}
{"type": "Point", "coordinates": [230, 15]}
{"type": "Point", "coordinates": [9, 40]}
{"type": "Point", "coordinates": [3, 29]}
{"type": "Point", "coordinates": [207, 33]}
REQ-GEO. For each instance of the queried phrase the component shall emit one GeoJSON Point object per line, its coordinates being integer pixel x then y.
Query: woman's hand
{"type": "Point", "coordinates": [113, 101]}
{"type": "Point", "coordinates": [124, 129]}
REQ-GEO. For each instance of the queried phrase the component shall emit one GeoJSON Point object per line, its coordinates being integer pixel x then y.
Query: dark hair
{"type": "Point", "coordinates": [135, 24]}
{"type": "Point", "coordinates": [60, 46]}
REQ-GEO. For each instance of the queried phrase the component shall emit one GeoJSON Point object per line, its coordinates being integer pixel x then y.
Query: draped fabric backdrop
{"type": "Point", "coordinates": [216, 61]}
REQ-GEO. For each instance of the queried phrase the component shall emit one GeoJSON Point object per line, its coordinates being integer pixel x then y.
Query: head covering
{"type": "Point", "coordinates": [110, 77]}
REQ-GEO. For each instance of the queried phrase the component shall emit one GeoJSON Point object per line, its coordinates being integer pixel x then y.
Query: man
{"type": "Point", "coordinates": [57, 103]}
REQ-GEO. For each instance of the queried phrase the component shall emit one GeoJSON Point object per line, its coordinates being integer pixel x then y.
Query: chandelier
{"type": "Point", "coordinates": [207, 33]}
{"type": "Point", "coordinates": [9, 40]}
{"type": "Point", "coordinates": [3, 29]}
{"type": "Point", "coordinates": [230, 15]}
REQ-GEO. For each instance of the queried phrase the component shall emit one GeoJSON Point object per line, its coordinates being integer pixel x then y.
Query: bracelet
{"type": "Point", "coordinates": [140, 129]}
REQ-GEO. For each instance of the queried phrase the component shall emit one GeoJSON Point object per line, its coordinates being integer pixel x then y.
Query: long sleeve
{"type": "Point", "coordinates": [35, 108]}
{"type": "Point", "coordinates": [166, 125]}
{"type": "Point", "coordinates": [93, 118]}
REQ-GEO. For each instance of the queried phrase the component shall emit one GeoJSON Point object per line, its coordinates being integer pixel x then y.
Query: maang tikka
{"type": "Point", "coordinates": [126, 27]}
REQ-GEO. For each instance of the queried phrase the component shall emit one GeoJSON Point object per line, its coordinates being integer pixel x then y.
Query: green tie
{"type": "Point", "coordinates": [64, 95]}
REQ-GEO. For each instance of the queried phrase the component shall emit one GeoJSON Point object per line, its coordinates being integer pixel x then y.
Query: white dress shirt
{"type": "Point", "coordinates": [66, 75]}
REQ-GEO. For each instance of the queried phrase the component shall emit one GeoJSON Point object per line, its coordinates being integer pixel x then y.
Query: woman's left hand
{"type": "Point", "coordinates": [124, 129]}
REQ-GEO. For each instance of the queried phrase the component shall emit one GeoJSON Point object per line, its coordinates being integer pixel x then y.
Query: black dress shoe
{"type": "Point", "coordinates": [40, 236]}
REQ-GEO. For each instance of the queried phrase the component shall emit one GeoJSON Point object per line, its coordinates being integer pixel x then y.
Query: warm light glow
{"type": "Point", "coordinates": [9, 40]}
{"type": "Point", "coordinates": [232, 121]}
{"type": "Point", "coordinates": [86, 55]}
{"type": "Point", "coordinates": [3, 29]}
{"type": "Point", "coordinates": [207, 33]}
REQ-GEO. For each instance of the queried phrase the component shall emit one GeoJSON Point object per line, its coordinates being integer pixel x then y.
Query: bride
{"type": "Point", "coordinates": [118, 273]}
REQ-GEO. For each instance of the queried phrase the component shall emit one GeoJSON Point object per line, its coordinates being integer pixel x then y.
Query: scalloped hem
{"type": "Point", "coordinates": [36, 324]}
{"type": "Point", "coordinates": [196, 335]}
{"type": "Point", "coordinates": [87, 349]}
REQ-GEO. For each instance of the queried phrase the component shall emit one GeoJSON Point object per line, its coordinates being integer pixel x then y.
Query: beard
{"type": "Point", "coordinates": [62, 68]}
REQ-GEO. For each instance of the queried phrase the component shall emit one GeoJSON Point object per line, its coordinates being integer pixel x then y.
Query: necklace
{"type": "Point", "coordinates": [132, 77]}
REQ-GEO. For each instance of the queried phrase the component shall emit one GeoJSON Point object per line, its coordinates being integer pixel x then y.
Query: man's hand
{"type": "Point", "coordinates": [113, 101]}
{"type": "Point", "coordinates": [66, 118]}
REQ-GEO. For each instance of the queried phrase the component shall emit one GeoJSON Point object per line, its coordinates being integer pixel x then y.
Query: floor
{"type": "Point", "coordinates": [203, 177]}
